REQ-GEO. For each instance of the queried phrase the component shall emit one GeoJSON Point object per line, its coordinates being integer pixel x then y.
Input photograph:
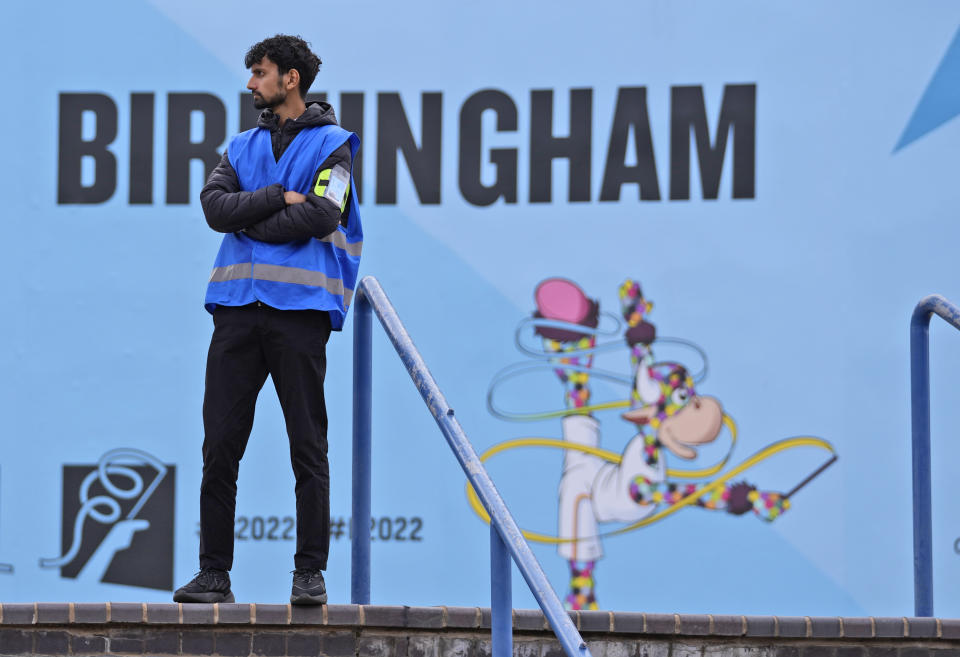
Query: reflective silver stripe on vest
{"type": "Point", "coordinates": [230, 272]}
{"type": "Point", "coordinates": [339, 240]}
{"type": "Point", "coordinates": [281, 274]}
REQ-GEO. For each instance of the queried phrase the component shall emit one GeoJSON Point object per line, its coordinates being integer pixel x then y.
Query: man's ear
{"type": "Point", "coordinates": [293, 81]}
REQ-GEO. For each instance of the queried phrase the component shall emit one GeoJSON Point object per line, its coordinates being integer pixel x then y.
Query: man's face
{"type": "Point", "coordinates": [267, 84]}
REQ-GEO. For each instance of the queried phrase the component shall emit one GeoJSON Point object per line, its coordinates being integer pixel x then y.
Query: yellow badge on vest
{"type": "Point", "coordinates": [333, 185]}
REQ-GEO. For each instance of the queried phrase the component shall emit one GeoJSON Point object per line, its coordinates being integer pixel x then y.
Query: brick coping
{"type": "Point", "coordinates": [475, 618]}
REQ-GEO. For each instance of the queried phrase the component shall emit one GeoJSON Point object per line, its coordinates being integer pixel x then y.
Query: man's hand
{"type": "Point", "coordinates": [292, 198]}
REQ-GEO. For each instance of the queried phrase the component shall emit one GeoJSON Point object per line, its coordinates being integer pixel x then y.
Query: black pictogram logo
{"type": "Point", "coordinates": [117, 522]}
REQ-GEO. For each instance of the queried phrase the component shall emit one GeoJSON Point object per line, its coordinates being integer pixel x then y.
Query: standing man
{"type": "Point", "coordinates": [283, 279]}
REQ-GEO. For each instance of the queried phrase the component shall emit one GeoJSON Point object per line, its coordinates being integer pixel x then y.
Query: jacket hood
{"type": "Point", "coordinates": [318, 113]}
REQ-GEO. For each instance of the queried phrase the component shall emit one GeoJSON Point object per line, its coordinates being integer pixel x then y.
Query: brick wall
{"type": "Point", "coordinates": [241, 630]}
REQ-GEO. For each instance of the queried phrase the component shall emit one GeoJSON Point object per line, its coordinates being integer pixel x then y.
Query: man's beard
{"type": "Point", "coordinates": [262, 102]}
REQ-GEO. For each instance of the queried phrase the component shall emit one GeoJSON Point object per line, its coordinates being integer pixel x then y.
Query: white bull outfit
{"type": "Point", "coordinates": [594, 490]}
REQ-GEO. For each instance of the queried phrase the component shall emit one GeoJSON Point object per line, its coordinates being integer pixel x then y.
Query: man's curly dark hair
{"type": "Point", "coordinates": [287, 52]}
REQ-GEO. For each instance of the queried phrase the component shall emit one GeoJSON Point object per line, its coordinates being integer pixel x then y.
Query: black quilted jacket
{"type": "Point", "coordinates": [263, 214]}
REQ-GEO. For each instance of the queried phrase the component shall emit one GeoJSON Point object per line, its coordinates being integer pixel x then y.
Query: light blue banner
{"type": "Point", "coordinates": [780, 183]}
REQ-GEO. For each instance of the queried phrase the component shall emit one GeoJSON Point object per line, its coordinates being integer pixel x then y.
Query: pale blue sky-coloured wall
{"type": "Point", "coordinates": [800, 296]}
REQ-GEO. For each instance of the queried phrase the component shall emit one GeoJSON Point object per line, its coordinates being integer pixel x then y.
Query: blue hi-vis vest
{"type": "Point", "coordinates": [316, 273]}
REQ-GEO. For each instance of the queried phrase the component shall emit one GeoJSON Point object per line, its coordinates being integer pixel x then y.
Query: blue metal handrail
{"type": "Point", "coordinates": [506, 539]}
{"type": "Point", "coordinates": [920, 411]}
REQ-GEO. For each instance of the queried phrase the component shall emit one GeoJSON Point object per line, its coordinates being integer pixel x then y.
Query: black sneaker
{"type": "Point", "coordinates": [308, 587]}
{"type": "Point", "coordinates": [210, 585]}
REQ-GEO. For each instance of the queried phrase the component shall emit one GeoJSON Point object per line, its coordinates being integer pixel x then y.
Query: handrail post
{"type": "Point", "coordinates": [922, 514]}
{"type": "Point", "coordinates": [362, 419]}
{"type": "Point", "coordinates": [920, 427]}
{"type": "Point", "coordinates": [501, 593]}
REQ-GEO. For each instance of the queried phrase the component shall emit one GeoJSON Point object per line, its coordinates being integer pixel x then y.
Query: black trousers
{"type": "Point", "coordinates": [248, 343]}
